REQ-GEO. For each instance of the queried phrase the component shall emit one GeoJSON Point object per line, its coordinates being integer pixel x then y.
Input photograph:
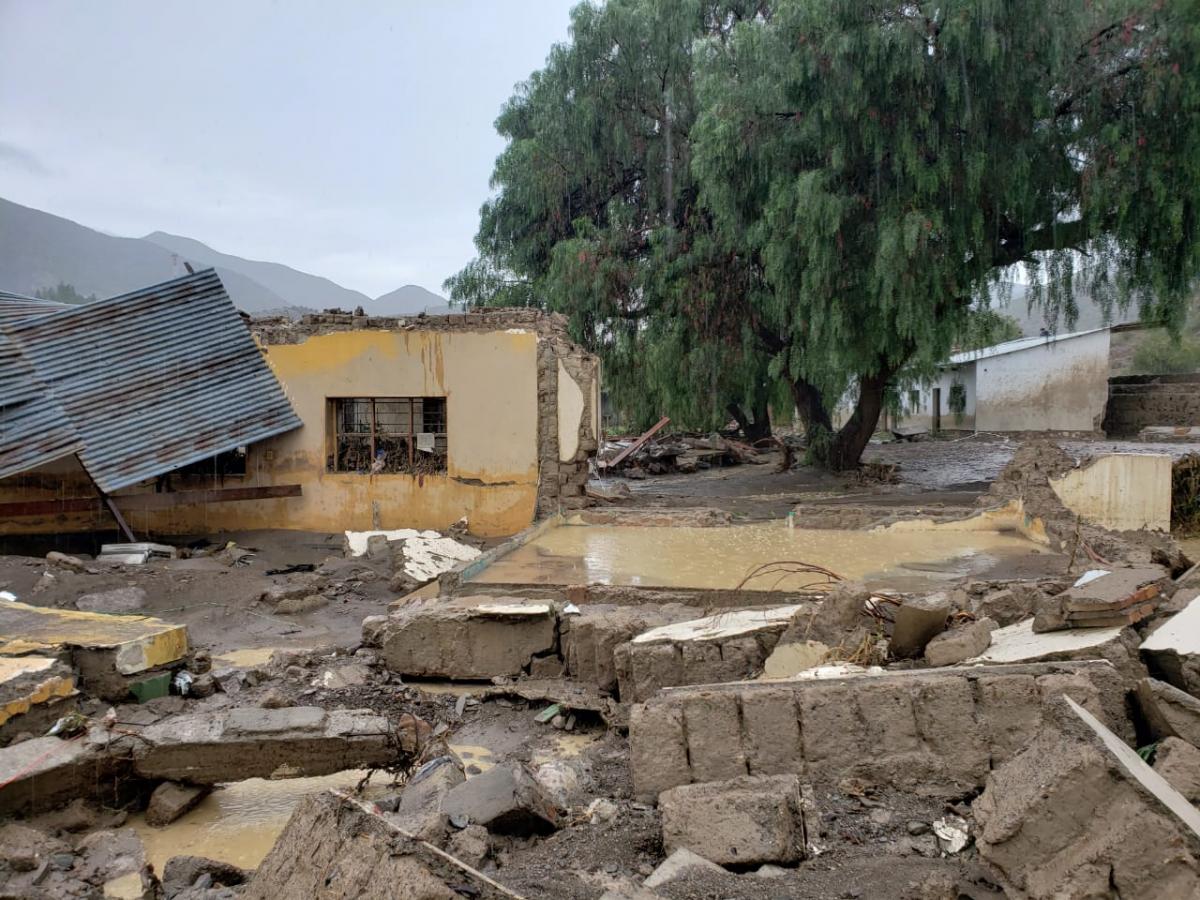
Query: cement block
{"type": "Point", "coordinates": [504, 800]}
{"type": "Point", "coordinates": [1169, 711]}
{"type": "Point", "coordinates": [171, 800]}
{"type": "Point", "coordinates": [466, 637]}
{"type": "Point", "coordinates": [727, 647]}
{"type": "Point", "coordinates": [209, 748]}
{"type": "Point", "coordinates": [917, 620]}
{"type": "Point", "coordinates": [1172, 650]}
{"type": "Point", "coordinates": [745, 821]}
{"type": "Point", "coordinates": [590, 638]}
{"type": "Point", "coordinates": [1179, 762]}
{"type": "Point", "coordinates": [959, 643]}
{"type": "Point", "coordinates": [1079, 814]}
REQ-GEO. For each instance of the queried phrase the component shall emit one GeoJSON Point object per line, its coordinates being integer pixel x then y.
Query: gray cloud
{"type": "Point", "coordinates": [14, 157]}
{"type": "Point", "coordinates": [350, 140]}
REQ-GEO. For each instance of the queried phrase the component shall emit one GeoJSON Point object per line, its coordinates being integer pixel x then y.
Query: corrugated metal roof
{"type": "Point", "coordinates": [1016, 346]}
{"type": "Point", "coordinates": [17, 307]}
{"type": "Point", "coordinates": [157, 378]}
{"type": "Point", "coordinates": [34, 429]}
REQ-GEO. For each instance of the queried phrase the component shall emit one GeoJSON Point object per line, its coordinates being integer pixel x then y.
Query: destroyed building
{"type": "Point", "coordinates": [163, 408]}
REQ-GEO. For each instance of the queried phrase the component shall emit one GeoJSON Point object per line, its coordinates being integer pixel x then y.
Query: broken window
{"type": "Point", "coordinates": [373, 435]}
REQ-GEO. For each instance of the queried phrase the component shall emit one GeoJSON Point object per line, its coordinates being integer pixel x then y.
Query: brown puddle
{"type": "Point", "coordinates": [239, 822]}
{"type": "Point", "coordinates": [718, 558]}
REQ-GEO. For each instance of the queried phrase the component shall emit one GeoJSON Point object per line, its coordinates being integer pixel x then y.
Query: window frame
{"type": "Point", "coordinates": [336, 431]}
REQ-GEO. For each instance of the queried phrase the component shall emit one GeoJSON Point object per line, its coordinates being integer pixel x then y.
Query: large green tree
{"type": "Point", "coordinates": [818, 193]}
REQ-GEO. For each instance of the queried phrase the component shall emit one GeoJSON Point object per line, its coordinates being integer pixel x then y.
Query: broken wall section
{"type": "Point", "coordinates": [568, 422]}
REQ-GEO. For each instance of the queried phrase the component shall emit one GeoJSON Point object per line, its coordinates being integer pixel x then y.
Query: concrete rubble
{"type": "Point", "coordinates": [261, 743]}
{"type": "Point", "coordinates": [474, 637]}
{"type": "Point", "coordinates": [616, 740]}
{"type": "Point", "coordinates": [1172, 649]}
{"type": "Point", "coordinates": [1077, 814]}
{"type": "Point", "coordinates": [746, 821]}
{"type": "Point", "coordinates": [726, 647]}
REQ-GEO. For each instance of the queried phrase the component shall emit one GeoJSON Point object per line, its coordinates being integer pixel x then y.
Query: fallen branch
{"type": "Point", "coordinates": [787, 568]}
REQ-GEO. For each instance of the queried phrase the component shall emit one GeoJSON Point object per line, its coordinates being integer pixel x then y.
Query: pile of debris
{"type": "Point", "coordinates": [675, 454]}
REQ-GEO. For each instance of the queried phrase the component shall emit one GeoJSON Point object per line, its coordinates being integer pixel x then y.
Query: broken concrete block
{"type": "Point", "coordinates": [727, 647]}
{"type": "Point", "coordinates": [546, 667]}
{"type": "Point", "coordinates": [590, 638]}
{"type": "Point", "coordinates": [35, 691]}
{"type": "Point", "coordinates": [1021, 643]}
{"type": "Point", "coordinates": [105, 649]}
{"type": "Point", "coordinates": [747, 820]}
{"type": "Point", "coordinates": [181, 872]}
{"type": "Point", "coordinates": [788, 659]}
{"type": "Point", "coordinates": [420, 807]}
{"type": "Point", "coordinates": [838, 620]}
{"type": "Point", "coordinates": [45, 772]}
{"type": "Point", "coordinates": [1172, 650]}
{"type": "Point", "coordinates": [916, 621]}
{"type": "Point", "coordinates": [1079, 814]}
{"type": "Point", "coordinates": [959, 643]}
{"type": "Point", "coordinates": [1105, 598]}
{"type": "Point", "coordinates": [1179, 762]}
{"type": "Point", "coordinates": [171, 800]}
{"type": "Point", "coordinates": [1169, 712]}
{"type": "Point", "coordinates": [1009, 605]}
{"type": "Point", "coordinates": [23, 848]}
{"type": "Point", "coordinates": [248, 742]}
{"type": "Point", "coordinates": [476, 637]}
{"type": "Point", "coordinates": [505, 800]}
{"type": "Point", "coordinates": [471, 845]}
{"type": "Point", "coordinates": [677, 864]}
{"type": "Point", "coordinates": [337, 849]}
{"type": "Point", "coordinates": [117, 601]}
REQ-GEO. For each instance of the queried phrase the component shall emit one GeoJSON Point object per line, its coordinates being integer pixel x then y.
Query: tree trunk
{"type": "Point", "coordinates": [841, 450]}
{"type": "Point", "coordinates": [755, 430]}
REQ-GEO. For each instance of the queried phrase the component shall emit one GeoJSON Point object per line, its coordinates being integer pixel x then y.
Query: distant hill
{"type": "Point", "coordinates": [38, 250]}
{"type": "Point", "coordinates": [43, 251]}
{"type": "Point", "coordinates": [407, 301]}
{"type": "Point", "coordinates": [297, 288]}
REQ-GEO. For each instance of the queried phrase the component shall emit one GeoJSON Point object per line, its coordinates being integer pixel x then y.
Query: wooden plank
{"type": "Point", "coordinates": [149, 501]}
{"type": "Point", "coordinates": [635, 446]}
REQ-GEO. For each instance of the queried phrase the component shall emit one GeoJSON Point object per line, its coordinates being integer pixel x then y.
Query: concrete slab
{"type": "Point", "coordinates": [105, 648]}
{"type": "Point", "coordinates": [1078, 813]}
{"type": "Point", "coordinates": [1168, 711]}
{"type": "Point", "coordinates": [45, 772]}
{"type": "Point", "coordinates": [723, 625]}
{"type": "Point", "coordinates": [210, 748]}
{"type": "Point", "coordinates": [1020, 643]}
{"type": "Point", "coordinates": [1172, 650]}
{"type": "Point", "coordinates": [29, 684]}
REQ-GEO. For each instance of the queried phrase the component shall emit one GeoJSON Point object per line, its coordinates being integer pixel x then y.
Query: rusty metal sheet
{"type": "Point", "coordinates": [155, 379]}
{"type": "Point", "coordinates": [34, 428]}
{"type": "Point", "coordinates": [17, 307]}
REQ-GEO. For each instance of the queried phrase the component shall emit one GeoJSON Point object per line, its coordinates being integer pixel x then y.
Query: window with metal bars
{"type": "Point", "coordinates": [374, 435]}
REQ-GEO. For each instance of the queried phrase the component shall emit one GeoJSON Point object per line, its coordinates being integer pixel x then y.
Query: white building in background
{"type": "Point", "coordinates": [1056, 383]}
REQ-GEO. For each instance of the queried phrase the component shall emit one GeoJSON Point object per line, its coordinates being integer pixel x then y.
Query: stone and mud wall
{"type": "Point", "coordinates": [1138, 401]}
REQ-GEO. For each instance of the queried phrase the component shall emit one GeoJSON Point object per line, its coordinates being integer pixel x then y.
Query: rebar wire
{"type": "Point", "coordinates": [786, 568]}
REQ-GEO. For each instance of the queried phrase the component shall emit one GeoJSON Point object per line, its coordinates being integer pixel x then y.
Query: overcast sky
{"type": "Point", "coordinates": [353, 140]}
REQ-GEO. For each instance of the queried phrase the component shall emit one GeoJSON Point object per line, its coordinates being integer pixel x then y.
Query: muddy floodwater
{"type": "Point", "coordinates": [238, 823]}
{"type": "Point", "coordinates": [721, 557]}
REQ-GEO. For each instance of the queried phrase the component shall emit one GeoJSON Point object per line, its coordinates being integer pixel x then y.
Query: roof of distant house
{"type": "Point", "coordinates": [1026, 343]}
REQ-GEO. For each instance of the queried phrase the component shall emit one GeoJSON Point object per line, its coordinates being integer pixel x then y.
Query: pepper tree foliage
{"type": "Point", "coordinates": [822, 194]}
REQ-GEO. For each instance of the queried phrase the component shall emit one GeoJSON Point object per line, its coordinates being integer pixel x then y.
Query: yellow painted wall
{"type": "Point", "coordinates": [489, 380]}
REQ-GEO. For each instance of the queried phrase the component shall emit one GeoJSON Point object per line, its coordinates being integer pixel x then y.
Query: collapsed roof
{"type": "Point", "coordinates": [137, 385]}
